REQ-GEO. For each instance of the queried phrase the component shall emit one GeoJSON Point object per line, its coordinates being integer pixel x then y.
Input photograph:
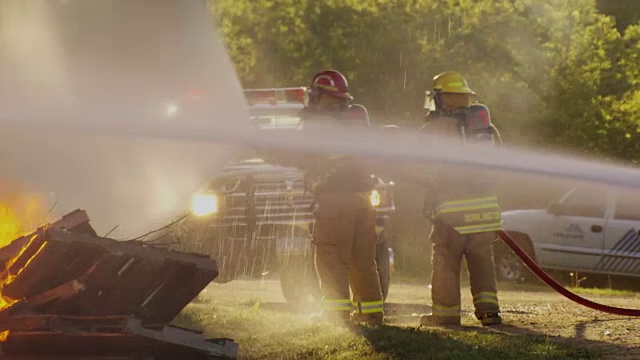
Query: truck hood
{"type": "Point", "coordinates": [524, 220]}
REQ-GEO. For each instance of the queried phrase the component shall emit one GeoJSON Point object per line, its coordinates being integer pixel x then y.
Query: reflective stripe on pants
{"type": "Point", "coordinates": [369, 307]}
{"type": "Point", "coordinates": [485, 297]}
{"type": "Point", "coordinates": [446, 311]}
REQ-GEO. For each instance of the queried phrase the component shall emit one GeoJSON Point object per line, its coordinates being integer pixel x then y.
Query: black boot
{"type": "Point", "coordinates": [488, 319]}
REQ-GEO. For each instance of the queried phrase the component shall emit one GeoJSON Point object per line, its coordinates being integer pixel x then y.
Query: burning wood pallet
{"type": "Point", "coordinates": [66, 291]}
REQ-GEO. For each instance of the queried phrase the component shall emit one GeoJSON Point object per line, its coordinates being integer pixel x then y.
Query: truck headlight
{"type": "Point", "coordinates": [172, 109]}
{"type": "Point", "coordinates": [204, 204]}
{"type": "Point", "coordinates": [375, 198]}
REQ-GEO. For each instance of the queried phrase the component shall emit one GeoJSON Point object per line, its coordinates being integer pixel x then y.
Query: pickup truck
{"type": "Point", "coordinates": [254, 217]}
{"type": "Point", "coordinates": [590, 229]}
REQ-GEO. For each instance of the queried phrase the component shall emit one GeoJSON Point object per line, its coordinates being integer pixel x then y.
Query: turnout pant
{"type": "Point", "coordinates": [448, 249]}
{"type": "Point", "coordinates": [345, 241]}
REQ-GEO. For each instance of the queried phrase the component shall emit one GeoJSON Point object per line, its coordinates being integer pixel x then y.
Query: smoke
{"type": "Point", "coordinates": [136, 183]}
{"type": "Point", "coordinates": [89, 62]}
{"type": "Point", "coordinates": [121, 117]}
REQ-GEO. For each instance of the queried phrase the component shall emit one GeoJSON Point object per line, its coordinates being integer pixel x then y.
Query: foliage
{"type": "Point", "coordinates": [624, 11]}
{"type": "Point", "coordinates": [554, 72]}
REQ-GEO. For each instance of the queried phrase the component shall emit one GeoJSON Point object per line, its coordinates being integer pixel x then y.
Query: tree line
{"type": "Point", "coordinates": [555, 73]}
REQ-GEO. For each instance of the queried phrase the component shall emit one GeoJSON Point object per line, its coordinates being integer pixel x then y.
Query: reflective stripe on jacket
{"type": "Point", "coordinates": [470, 216]}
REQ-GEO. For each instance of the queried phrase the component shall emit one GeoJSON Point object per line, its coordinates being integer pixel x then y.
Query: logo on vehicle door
{"type": "Point", "coordinates": [572, 231]}
{"type": "Point", "coordinates": [573, 228]}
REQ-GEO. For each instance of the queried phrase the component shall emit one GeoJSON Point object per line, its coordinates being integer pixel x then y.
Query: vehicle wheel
{"type": "Point", "coordinates": [299, 281]}
{"type": "Point", "coordinates": [509, 267]}
{"type": "Point", "coordinates": [384, 268]}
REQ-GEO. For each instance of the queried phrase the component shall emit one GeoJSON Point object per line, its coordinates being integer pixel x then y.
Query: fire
{"type": "Point", "coordinates": [4, 335]}
{"type": "Point", "coordinates": [9, 226]}
{"type": "Point", "coordinates": [6, 302]}
{"type": "Point", "coordinates": [21, 211]}
{"type": "Point", "coordinates": [7, 277]}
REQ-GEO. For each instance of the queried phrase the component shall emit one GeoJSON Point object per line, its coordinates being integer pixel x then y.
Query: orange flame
{"type": "Point", "coordinates": [4, 335]}
{"type": "Point", "coordinates": [7, 277]}
{"type": "Point", "coordinates": [6, 302]}
{"type": "Point", "coordinates": [9, 226]}
{"type": "Point", "coordinates": [21, 211]}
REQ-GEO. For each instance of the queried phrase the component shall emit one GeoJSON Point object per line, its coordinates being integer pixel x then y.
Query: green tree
{"type": "Point", "coordinates": [626, 12]}
{"type": "Point", "coordinates": [553, 72]}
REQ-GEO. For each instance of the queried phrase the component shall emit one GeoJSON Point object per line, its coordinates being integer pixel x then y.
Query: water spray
{"type": "Point", "coordinates": [115, 77]}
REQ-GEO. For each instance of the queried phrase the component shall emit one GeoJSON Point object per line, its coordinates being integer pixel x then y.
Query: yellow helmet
{"type": "Point", "coordinates": [451, 82]}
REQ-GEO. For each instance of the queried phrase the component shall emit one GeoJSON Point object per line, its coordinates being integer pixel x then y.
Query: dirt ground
{"type": "Point", "coordinates": [527, 310]}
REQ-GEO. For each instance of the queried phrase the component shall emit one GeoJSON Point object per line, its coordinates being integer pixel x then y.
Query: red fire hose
{"type": "Point", "coordinates": [557, 286]}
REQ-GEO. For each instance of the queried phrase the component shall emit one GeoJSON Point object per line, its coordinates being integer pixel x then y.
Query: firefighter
{"type": "Point", "coordinates": [464, 210]}
{"type": "Point", "coordinates": [344, 233]}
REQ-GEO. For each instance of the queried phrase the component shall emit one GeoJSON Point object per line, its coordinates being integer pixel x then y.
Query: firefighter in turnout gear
{"type": "Point", "coordinates": [344, 232]}
{"type": "Point", "coordinates": [464, 210]}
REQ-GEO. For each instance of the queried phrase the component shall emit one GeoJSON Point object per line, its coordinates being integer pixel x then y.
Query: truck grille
{"type": "Point", "coordinates": [271, 198]}
{"type": "Point", "coordinates": [268, 195]}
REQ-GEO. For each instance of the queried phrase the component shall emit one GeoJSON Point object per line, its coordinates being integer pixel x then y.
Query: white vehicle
{"type": "Point", "coordinates": [589, 229]}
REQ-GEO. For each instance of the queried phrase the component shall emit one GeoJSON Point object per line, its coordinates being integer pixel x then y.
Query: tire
{"type": "Point", "coordinates": [384, 268]}
{"type": "Point", "coordinates": [299, 281]}
{"type": "Point", "coordinates": [509, 267]}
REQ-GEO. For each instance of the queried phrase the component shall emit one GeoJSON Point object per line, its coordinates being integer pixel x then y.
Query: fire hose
{"type": "Point", "coordinates": [551, 282]}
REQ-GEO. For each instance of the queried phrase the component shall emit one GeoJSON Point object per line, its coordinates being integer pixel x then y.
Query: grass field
{"type": "Point", "coordinates": [538, 325]}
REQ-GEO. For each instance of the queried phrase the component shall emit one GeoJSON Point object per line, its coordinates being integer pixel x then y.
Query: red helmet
{"type": "Point", "coordinates": [331, 82]}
